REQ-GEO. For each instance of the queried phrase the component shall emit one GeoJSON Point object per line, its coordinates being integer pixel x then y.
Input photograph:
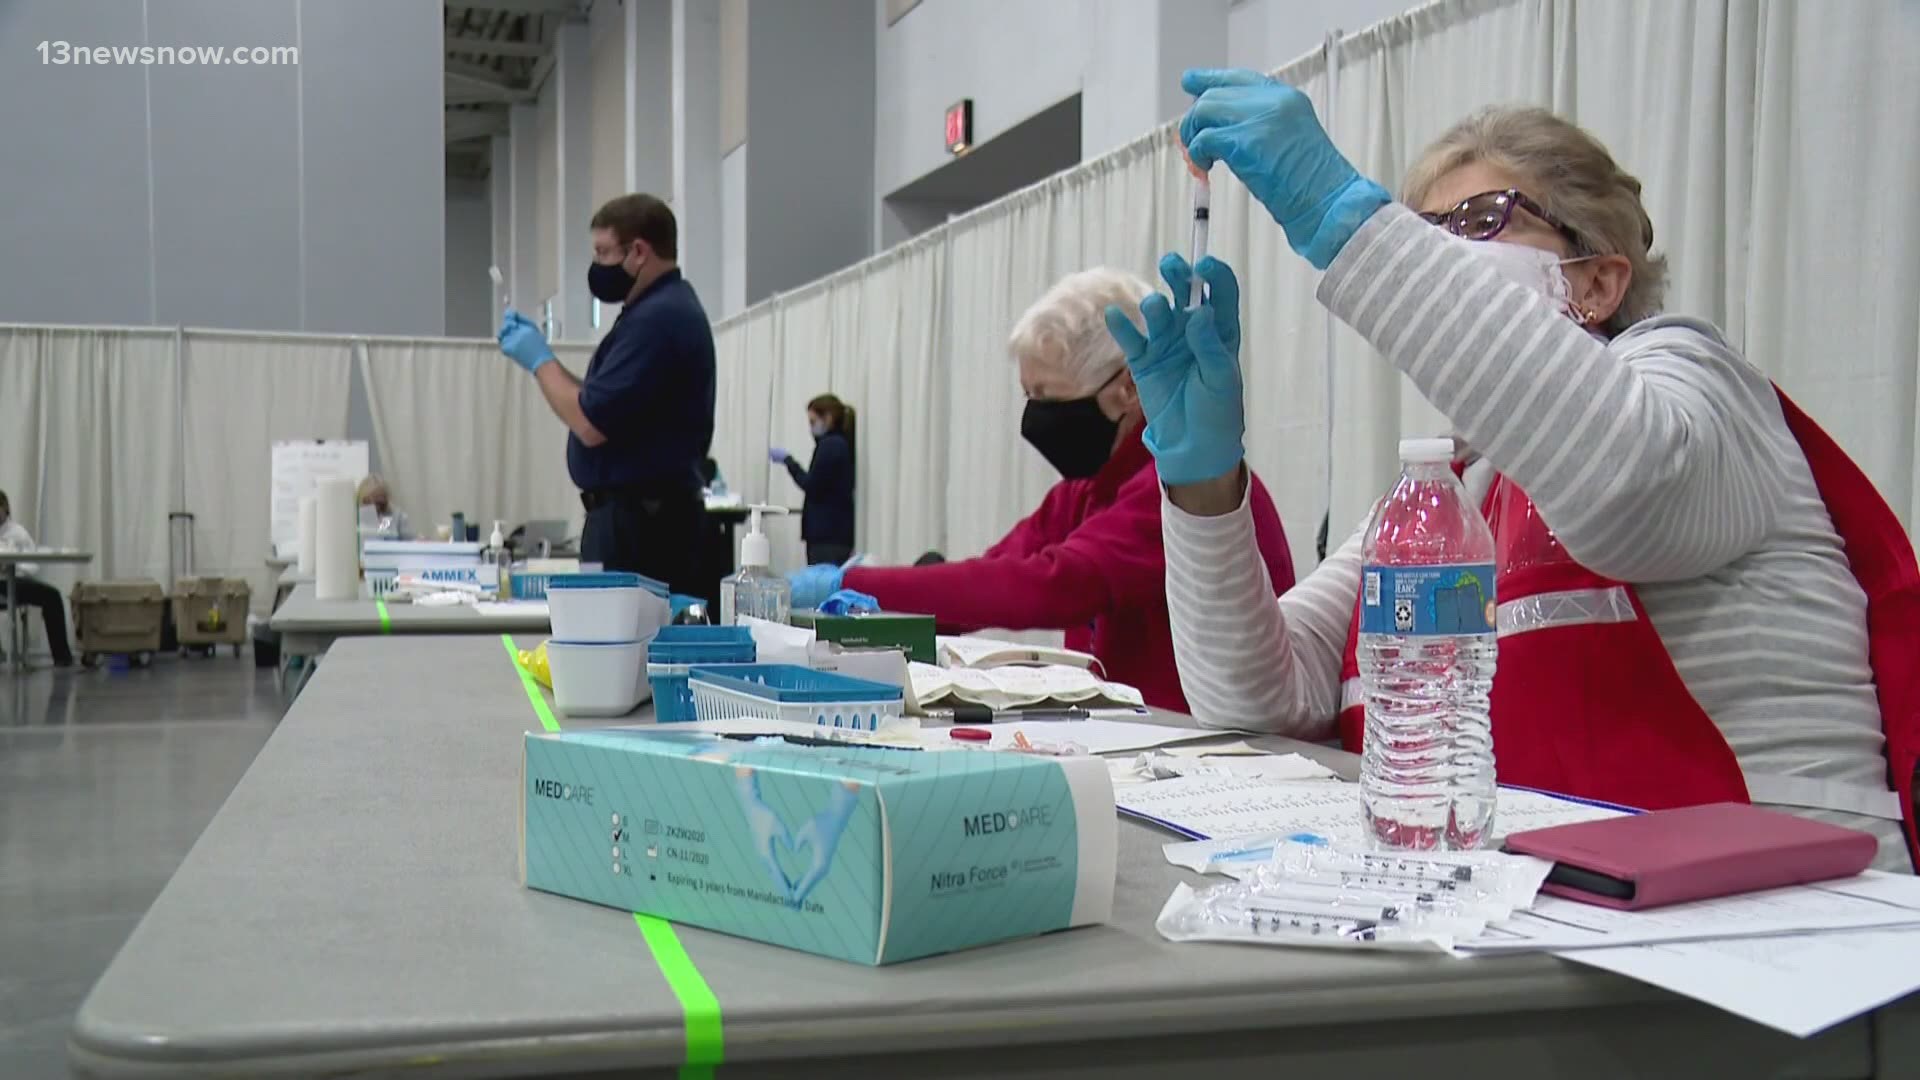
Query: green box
{"type": "Point", "coordinates": [862, 853]}
{"type": "Point", "coordinates": [875, 630]}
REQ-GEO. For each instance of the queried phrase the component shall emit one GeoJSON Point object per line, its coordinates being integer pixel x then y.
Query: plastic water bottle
{"type": "Point", "coordinates": [1426, 653]}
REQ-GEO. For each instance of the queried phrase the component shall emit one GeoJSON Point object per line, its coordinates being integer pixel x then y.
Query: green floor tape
{"type": "Point", "coordinates": [386, 624]}
{"type": "Point", "coordinates": [699, 1008]}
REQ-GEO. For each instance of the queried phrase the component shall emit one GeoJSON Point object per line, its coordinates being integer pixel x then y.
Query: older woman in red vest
{"type": "Point", "coordinates": [1701, 598]}
{"type": "Point", "coordinates": [1087, 560]}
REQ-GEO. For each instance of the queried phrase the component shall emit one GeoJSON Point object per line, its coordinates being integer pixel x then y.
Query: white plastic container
{"type": "Point", "coordinates": [606, 614]}
{"type": "Point", "coordinates": [598, 679]}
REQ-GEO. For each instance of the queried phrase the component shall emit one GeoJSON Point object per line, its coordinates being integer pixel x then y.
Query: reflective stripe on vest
{"type": "Point", "coordinates": [1575, 607]}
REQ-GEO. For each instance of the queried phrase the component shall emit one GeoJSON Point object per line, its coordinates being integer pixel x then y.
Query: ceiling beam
{"type": "Point", "coordinates": [481, 47]}
{"type": "Point", "coordinates": [464, 124]}
{"type": "Point", "coordinates": [522, 7]}
{"type": "Point", "coordinates": [468, 84]}
{"type": "Point", "coordinates": [537, 78]}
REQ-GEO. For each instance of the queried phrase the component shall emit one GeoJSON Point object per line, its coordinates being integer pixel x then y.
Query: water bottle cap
{"type": "Point", "coordinates": [1426, 451]}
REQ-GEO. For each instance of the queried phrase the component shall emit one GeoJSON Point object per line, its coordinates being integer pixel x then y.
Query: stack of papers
{"type": "Point", "coordinates": [1018, 687]}
{"type": "Point", "coordinates": [1235, 762]}
{"type": "Point", "coordinates": [1854, 946]}
{"type": "Point", "coordinates": [1203, 807]}
{"type": "Point", "coordinates": [1798, 959]}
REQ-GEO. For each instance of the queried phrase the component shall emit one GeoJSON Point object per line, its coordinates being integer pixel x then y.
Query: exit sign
{"type": "Point", "coordinates": [960, 126]}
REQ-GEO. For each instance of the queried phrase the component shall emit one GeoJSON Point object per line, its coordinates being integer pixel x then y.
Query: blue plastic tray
{"type": "Point", "coordinates": [608, 580]}
{"type": "Point", "coordinates": [680, 646]}
{"type": "Point", "coordinates": [702, 645]}
{"type": "Point", "coordinates": [789, 683]}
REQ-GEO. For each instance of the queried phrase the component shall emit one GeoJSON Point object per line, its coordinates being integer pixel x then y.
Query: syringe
{"type": "Point", "coordinates": [499, 288]}
{"type": "Point", "coordinates": [1202, 204]}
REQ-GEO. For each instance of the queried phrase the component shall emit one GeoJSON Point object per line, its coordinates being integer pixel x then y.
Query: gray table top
{"type": "Point", "coordinates": [46, 555]}
{"type": "Point", "coordinates": [355, 905]}
{"type": "Point", "coordinates": [303, 613]}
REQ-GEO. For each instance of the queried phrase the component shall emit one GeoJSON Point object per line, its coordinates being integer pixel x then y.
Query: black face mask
{"type": "Point", "coordinates": [609, 282]}
{"type": "Point", "coordinates": [1074, 436]}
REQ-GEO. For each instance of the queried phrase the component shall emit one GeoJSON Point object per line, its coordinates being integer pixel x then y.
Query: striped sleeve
{"type": "Point", "coordinates": [1247, 660]}
{"type": "Point", "coordinates": [1645, 457]}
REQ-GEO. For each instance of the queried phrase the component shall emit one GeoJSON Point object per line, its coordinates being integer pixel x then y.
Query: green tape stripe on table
{"type": "Point", "coordinates": [532, 688]}
{"type": "Point", "coordinates": [699, 1008]}
{"type": "Point", "coordinates": [386, 623]}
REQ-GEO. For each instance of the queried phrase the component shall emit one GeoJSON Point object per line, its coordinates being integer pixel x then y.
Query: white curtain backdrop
{"type": "Point", "coordinates": [461, 428]}
{"type": "Point", "coordinates": [292, 388]}
{"type": "Point", "coordinates": [1774, 139]}
{"type": "Point", "coordinates": [88, 445]}
{"type": "Point", "coordinates": [895, 371]}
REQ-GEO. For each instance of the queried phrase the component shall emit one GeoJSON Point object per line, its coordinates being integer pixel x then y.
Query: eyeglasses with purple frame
{"type": "Point", "coordinates": [1484, 216]}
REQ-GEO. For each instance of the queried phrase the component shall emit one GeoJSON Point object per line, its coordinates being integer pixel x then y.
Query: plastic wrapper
{"type": "Point", "coordinates": [1245, 912]}
{"type": "Point", "coordinates": [1312, 894]}
{"type": "Point", "coordinates": [1490, 882]}
{"type": "Point", "coordinates": [535, 661]}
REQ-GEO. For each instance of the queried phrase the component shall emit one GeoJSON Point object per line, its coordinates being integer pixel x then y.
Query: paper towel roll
{"type": "Point", "coordinates": [336, 549]}
{"type": "Point", "coordinates": [304, 543]}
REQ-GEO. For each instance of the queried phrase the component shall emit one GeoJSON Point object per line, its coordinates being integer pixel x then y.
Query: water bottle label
{"type": "Point", "coordinates": [1419, 600]}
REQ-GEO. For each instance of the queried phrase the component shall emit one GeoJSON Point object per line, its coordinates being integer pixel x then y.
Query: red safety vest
{"type": "Point", "coordinates": [1586, 701]}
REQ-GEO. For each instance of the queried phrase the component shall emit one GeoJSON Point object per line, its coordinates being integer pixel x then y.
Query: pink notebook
{"type": "Point", "coordinates": [1692, 853]}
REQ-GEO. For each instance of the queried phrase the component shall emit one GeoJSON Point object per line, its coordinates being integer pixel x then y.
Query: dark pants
{"type": "Point", "coordinates": [655, 536]}
{"type": "Point", "coordinates": [53, 612]}
{"type": "Point", "coordinates": [828, 553]}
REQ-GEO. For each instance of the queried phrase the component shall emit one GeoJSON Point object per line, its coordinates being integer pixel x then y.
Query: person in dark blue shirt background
{"type": "Point", "coordinates": [826, 522]}
{"type": "Point", "coordinates": [641, 421]}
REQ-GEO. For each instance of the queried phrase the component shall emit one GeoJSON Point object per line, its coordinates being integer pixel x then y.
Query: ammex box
{"type": "Point", "coordinates": [869, 854]}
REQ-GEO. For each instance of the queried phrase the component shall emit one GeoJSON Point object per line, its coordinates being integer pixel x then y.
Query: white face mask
{"type": "Point", "coordinates": [1530, 268]}
{"type": "Point", "coordinates": [819, 429]}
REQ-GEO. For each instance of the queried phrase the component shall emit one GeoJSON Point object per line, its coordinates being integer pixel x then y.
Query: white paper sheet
{"type": "Point", "coordinates": [777, 643]}
{"type": "Point", "coordinates": [512, 607]}
{"type": "Point", "coordinates": [977, 651]}
{"type": "Point", "coordinates": [1800, 985]}
{"type": "Point", "coordinates": [1238, 747]}
{"type": "Point", "coordinates": [1563, 926]}
{"type": "Point", "coordinates": [1094, 736]}
{"type": "Point", "coordinates": [1203, 807]}
{"type": "Point", "coordinates": [1264, 767]}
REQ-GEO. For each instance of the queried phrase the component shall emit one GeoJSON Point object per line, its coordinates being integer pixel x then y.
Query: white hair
{"type": "Point", "coordinates": [1066, 329]}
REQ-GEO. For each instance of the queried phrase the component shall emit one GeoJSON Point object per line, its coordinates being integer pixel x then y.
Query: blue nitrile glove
{"type": "Point", "coordinates": [1187, 370]}
{"type": "Point", "coordinates": [1267, 134]}
{"type": "Point", "coordinates": [848, 602]}
{"type": "Point", "coordinates": [813, 585]}
{"type": "Point", "coordinates": [523, 341]}
{"type": "Point", "coordinates": [777, 456]}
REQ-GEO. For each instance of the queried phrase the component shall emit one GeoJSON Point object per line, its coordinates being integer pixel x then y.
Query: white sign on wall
{"type": "Point", "coordinates": [298, 468]}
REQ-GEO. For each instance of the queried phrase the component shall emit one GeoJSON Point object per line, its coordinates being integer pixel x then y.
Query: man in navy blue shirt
{"type": "Point", "coordinates": [641, 421]}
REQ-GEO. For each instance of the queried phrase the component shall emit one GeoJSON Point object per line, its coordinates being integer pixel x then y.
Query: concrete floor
{"type": "Point", "coordinates": [106, 779]}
